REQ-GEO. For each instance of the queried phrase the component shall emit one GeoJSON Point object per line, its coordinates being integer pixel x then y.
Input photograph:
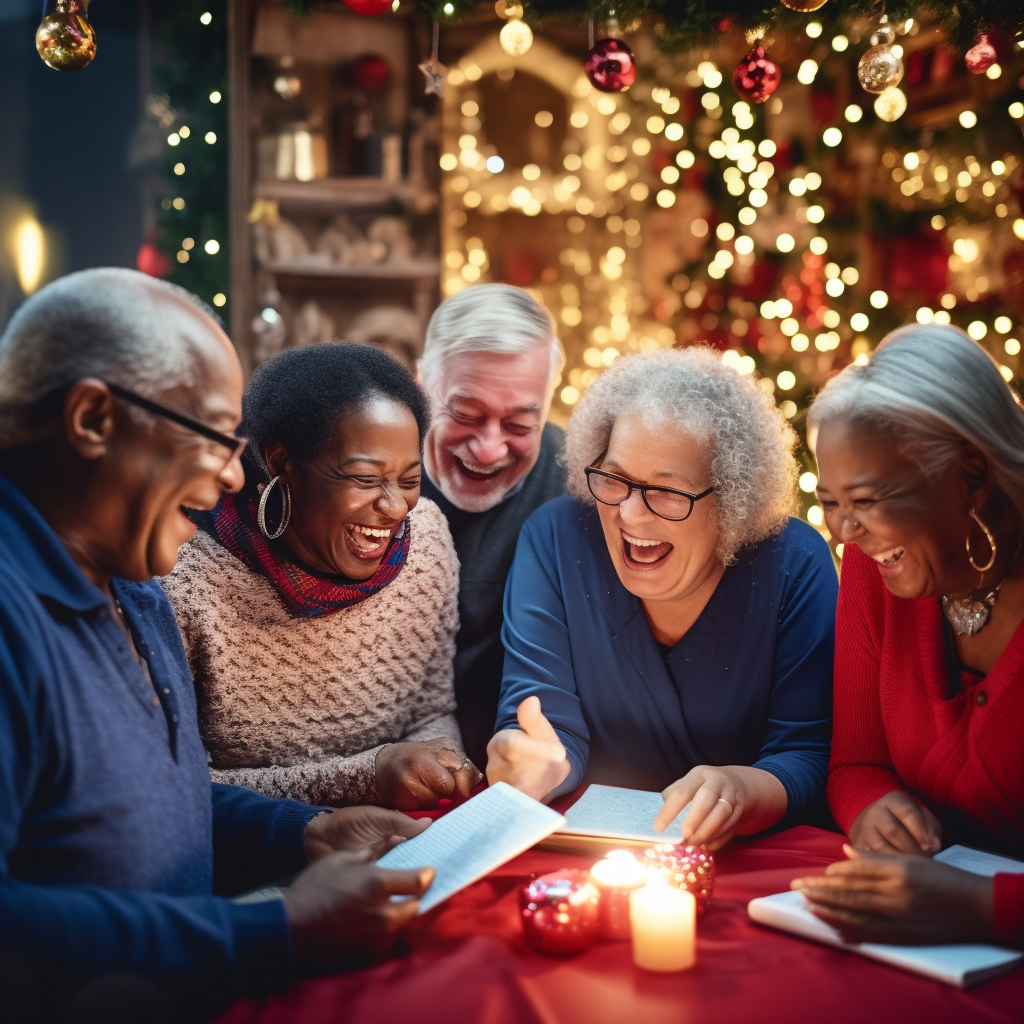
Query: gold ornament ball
{"type": "Point", "coordinates": [516, 37]}
{"type": "Point", "coordinates": [66, 42]}
{"type": "Point", "coordinates": [879, 69]}
{"type": "Point", "coordinates": [890, 104]}
{"type": "Point", "coordinates": [804, 6]}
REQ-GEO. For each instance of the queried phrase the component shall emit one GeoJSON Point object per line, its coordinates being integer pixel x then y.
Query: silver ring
{"type": "Point", "coordinates": [465, 764]}
{"type": "Point", "coordinates": [722, 800]}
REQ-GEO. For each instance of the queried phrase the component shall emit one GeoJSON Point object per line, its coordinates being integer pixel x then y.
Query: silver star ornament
{"type": "Point", "coordinates": [434, 72]}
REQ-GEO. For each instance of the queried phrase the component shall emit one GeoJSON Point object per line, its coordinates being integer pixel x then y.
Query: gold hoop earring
{"type": "Point", "coordinates": [991, 543]}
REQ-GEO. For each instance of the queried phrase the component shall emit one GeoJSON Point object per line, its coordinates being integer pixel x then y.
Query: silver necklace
{"type": "Point", "coordinates": [968, 615]}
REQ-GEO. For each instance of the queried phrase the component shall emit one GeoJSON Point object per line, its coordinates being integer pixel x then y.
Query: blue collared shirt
{"type": "Point", "coordinates": [750, 683]}
{"type": "Point", "coordinates": [108, 822]}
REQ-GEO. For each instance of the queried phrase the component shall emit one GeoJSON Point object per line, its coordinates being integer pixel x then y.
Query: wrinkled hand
{"type": "Point", "coordinates": [530, 758]}
{"type": "Point", "coordinates": [723, 801]}
{"type": "Point", "coordinates": [342, 905]}
{"type": "Point", "coordinates": [413, 776]}
{"type": "Point", "coordinates": [891, 897]}
{"type": "Point", "coordinates": [354, 829]}
{"type": "Point", "coordinates": [897, 823]}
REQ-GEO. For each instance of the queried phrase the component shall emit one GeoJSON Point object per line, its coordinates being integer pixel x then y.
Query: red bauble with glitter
{"type": "Point", "coordinates": [981, 56]}
{"type": "Point", "coordinates": [560, 912]}
{"type": "Point", "coordinates": [757, 76]}
{"type": "Point", "coordinates": [370, 8]}
{"type": "Point", "coordinates": [370, 71]}
{"type": "Point", "coordinates": [686, 867]}
{"type": "Point", "coordinates": [610, 66]}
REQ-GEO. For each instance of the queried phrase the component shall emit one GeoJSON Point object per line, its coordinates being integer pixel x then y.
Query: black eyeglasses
{"type": "Point", "coordinates": [236, 445]}
{"type": "Point", "coordinates": [665, 502]}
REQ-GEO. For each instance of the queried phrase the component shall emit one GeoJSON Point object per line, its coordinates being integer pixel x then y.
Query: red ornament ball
{"type": "Point", "coordinates": [980, 57]}
{"type": "Point", "coordinates": [686, 867]}
{"type": "Point", "coordinates": [370, 8]}
{"type": "Point", "coordinates": [610, 66]}
{"type": "Point", "coordinates": [152, 260]}
{"type": "Point", "coordinates": [757, 76]}
{"type": "Point", "coordinates": [370, 71]}
{"type": "Point", "coordinates": [560, 912]}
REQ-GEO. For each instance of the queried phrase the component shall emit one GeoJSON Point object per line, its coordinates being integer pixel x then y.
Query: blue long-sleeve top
{"type": "Point", "coordinates": [112, 838]}
{"type": "Point", "coordinates": [749, 684]}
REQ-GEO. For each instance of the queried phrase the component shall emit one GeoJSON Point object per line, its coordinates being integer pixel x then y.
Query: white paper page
{"type": "Point", "coordinates": [979, 862]}
{"type": "Point", "coordinates": [950, 963]}
{"type": "Point", "coordinates": [474, 839]}
{"type": "Point", "coordinates": [620, 814]}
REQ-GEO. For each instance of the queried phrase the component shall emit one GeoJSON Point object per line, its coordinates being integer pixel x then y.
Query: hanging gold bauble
{"type": "Point", "coordinates": [879, 69]}
{"type": "Point", "coordinates": [516, 37]}
{"type": "Point", "coordinates": [65, 39]}
{"type": "Point", "coordinates": [804, 6]}
{"type": "Point", "coordinates": [890, 104]}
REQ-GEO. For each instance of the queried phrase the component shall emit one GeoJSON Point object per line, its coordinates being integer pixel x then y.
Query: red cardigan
{"type": "Point", "coordinates": [896, 727]}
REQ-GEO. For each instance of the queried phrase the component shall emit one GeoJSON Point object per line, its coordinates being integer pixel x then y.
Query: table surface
{"type": "Point", "coordinates": [469, 964]}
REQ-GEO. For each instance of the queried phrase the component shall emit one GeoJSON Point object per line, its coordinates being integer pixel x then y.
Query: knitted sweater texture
{"type": "Point", "coordinates": [300, 707]}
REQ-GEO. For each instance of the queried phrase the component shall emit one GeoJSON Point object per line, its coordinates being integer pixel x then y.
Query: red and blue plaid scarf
{"type": "Point", "coordinates": [233, 524]}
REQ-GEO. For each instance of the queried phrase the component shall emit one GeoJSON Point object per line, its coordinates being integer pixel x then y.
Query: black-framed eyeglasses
{"type": "Point", "coordinates": [236, 445]}
{"type": "Point", "coordinates": [664, 502]}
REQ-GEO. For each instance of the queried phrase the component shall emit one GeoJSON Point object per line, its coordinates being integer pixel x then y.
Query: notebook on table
{"type": "Point", "coordinates": [962, 964]}
{"type": "Point", "coordinates": [606, 817]}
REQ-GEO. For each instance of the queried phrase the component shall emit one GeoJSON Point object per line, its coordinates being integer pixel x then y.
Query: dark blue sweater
{"type": "Point", "coordinates": [749, 684]}
{"type": "Point", "coordinates": [112, 841]}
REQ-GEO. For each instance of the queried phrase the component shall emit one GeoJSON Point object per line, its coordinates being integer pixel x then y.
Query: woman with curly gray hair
{"type": "Point", "coordinates": [669, 617]}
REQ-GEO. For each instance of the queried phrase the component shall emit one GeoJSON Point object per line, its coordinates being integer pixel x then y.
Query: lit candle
{"type": "Point", "coordinates": [616, 877]}
{"type": "Point", "coordinates": [664, 922]}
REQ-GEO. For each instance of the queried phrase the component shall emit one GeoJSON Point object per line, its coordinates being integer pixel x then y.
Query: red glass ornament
{"type": "Point", "coordinates": [560, 912]}
{"type": "Point", "coordinates": [370, 71]}
{"type": "Point", "coordinates": [610, 66]}
{"type": "Point", "coordinates": [369, 8]}
{"type": "Point", "coordinates": [981, 56]}
{"type": "Point", "coordinates": [686, 867]}
{"type": "Point", "coordinates": [757, 76]}
{"type": "Point", "coordinates": [152, 260]}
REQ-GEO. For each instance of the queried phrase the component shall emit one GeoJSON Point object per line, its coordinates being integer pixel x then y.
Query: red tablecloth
{"type": "Point", "coordinates": [469, 964]}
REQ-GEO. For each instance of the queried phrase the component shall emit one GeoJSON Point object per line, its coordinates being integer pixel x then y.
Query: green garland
{"type": "Point", "coordinates": [691, 24]}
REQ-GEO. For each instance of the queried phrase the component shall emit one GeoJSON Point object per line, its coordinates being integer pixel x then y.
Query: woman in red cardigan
{"type": "Point", "coordinates": [921, 461]}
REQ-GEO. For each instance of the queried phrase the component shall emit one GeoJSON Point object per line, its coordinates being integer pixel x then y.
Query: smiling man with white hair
{"type": "Point", "coordinates": [489, 366]}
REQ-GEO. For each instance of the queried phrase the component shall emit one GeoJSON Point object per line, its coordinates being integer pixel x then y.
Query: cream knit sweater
{"type": "Point", "coordinates": [299, 707]}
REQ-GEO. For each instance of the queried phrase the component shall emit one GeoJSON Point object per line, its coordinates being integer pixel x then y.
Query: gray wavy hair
{"type": "Point", "coordinates": [488, 318]}
{"type": "Point", "coordinates": [933, 391]}
{"type": "Point", "coordinates": [751, 467]}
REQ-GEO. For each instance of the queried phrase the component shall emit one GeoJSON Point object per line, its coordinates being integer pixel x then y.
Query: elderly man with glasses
{"type": "Point", "coordinates": [119, 396]}
{"type": "Point", "coordinates": [668, 626]}
{"type": "Point", "coordinates": [489, 366]}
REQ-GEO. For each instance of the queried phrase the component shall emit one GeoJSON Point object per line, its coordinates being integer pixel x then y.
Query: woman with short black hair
{"type": "Point", "coordinates": [318, 605]}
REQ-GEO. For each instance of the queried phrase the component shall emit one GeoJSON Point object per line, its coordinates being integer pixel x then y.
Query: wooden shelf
{"type": "Point", "coordinates": [339, 193]}
{"type": "Point", "coordinates": [426, 268]}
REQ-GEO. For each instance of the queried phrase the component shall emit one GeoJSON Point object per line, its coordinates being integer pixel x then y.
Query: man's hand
{"type": "Point", "coordinates": [886, 897]}
{"type": "Point", "coordinates": [414, 776]}
{"type": "Point", "coordinates": [342, 905]}
{"type": "Point", "coordinates": [531, 758]}
{"type": "Point", "coordinates": [897, 823]}
{"type": "Point", "coordinates": [354, 829]}
{"type": "Point", "coordinates": [723, 801]}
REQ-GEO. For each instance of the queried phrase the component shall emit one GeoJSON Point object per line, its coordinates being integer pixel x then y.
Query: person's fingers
{"type": "Point", "coordinates": [411, 882]}
{"type": "Point", "coordinates": [676, 797]}
{"type": "Point", "coordinates": [718, 819]}
{"type": "Point", "coordinates": [852, 925]}
{"type": "Point", "coordinates": [533, 723]}
{"type": "Point", "coordinates": [389, 823]}
{"type": "Point", "coordinates": [842, 896]}
{"type": "Point", "coordinates": [893, 830]}
{"type": "Point", "coordinates": [703, 803]}
{"type": "Point", "coordinates": [910, 814]}
{"type": "Point", "coordinates": [877, 843]}
{"type": "Point", "coordinates": [466, 779]}
{"type": "Point", "coordinates": [522, 747]}
{"type": "Point", "coordinates": [399, 914]}
{"type": "Point", "coordinates": [448, 757]}
{"type": "Point", "coordinates": [720, 839]}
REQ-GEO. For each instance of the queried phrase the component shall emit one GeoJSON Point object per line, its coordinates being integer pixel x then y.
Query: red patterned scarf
{"type": "Point", "coordinates": [233, 524]}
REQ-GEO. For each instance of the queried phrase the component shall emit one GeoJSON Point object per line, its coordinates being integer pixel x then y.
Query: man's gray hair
{"type": "Point", "coordinates": [488, 318]}
{"type": "Point", "coordinates": [109, 323]}
{"type": "Point", "coordinates": [933, 391]}
{"type": "Point", "coordinates": [750, 444]}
